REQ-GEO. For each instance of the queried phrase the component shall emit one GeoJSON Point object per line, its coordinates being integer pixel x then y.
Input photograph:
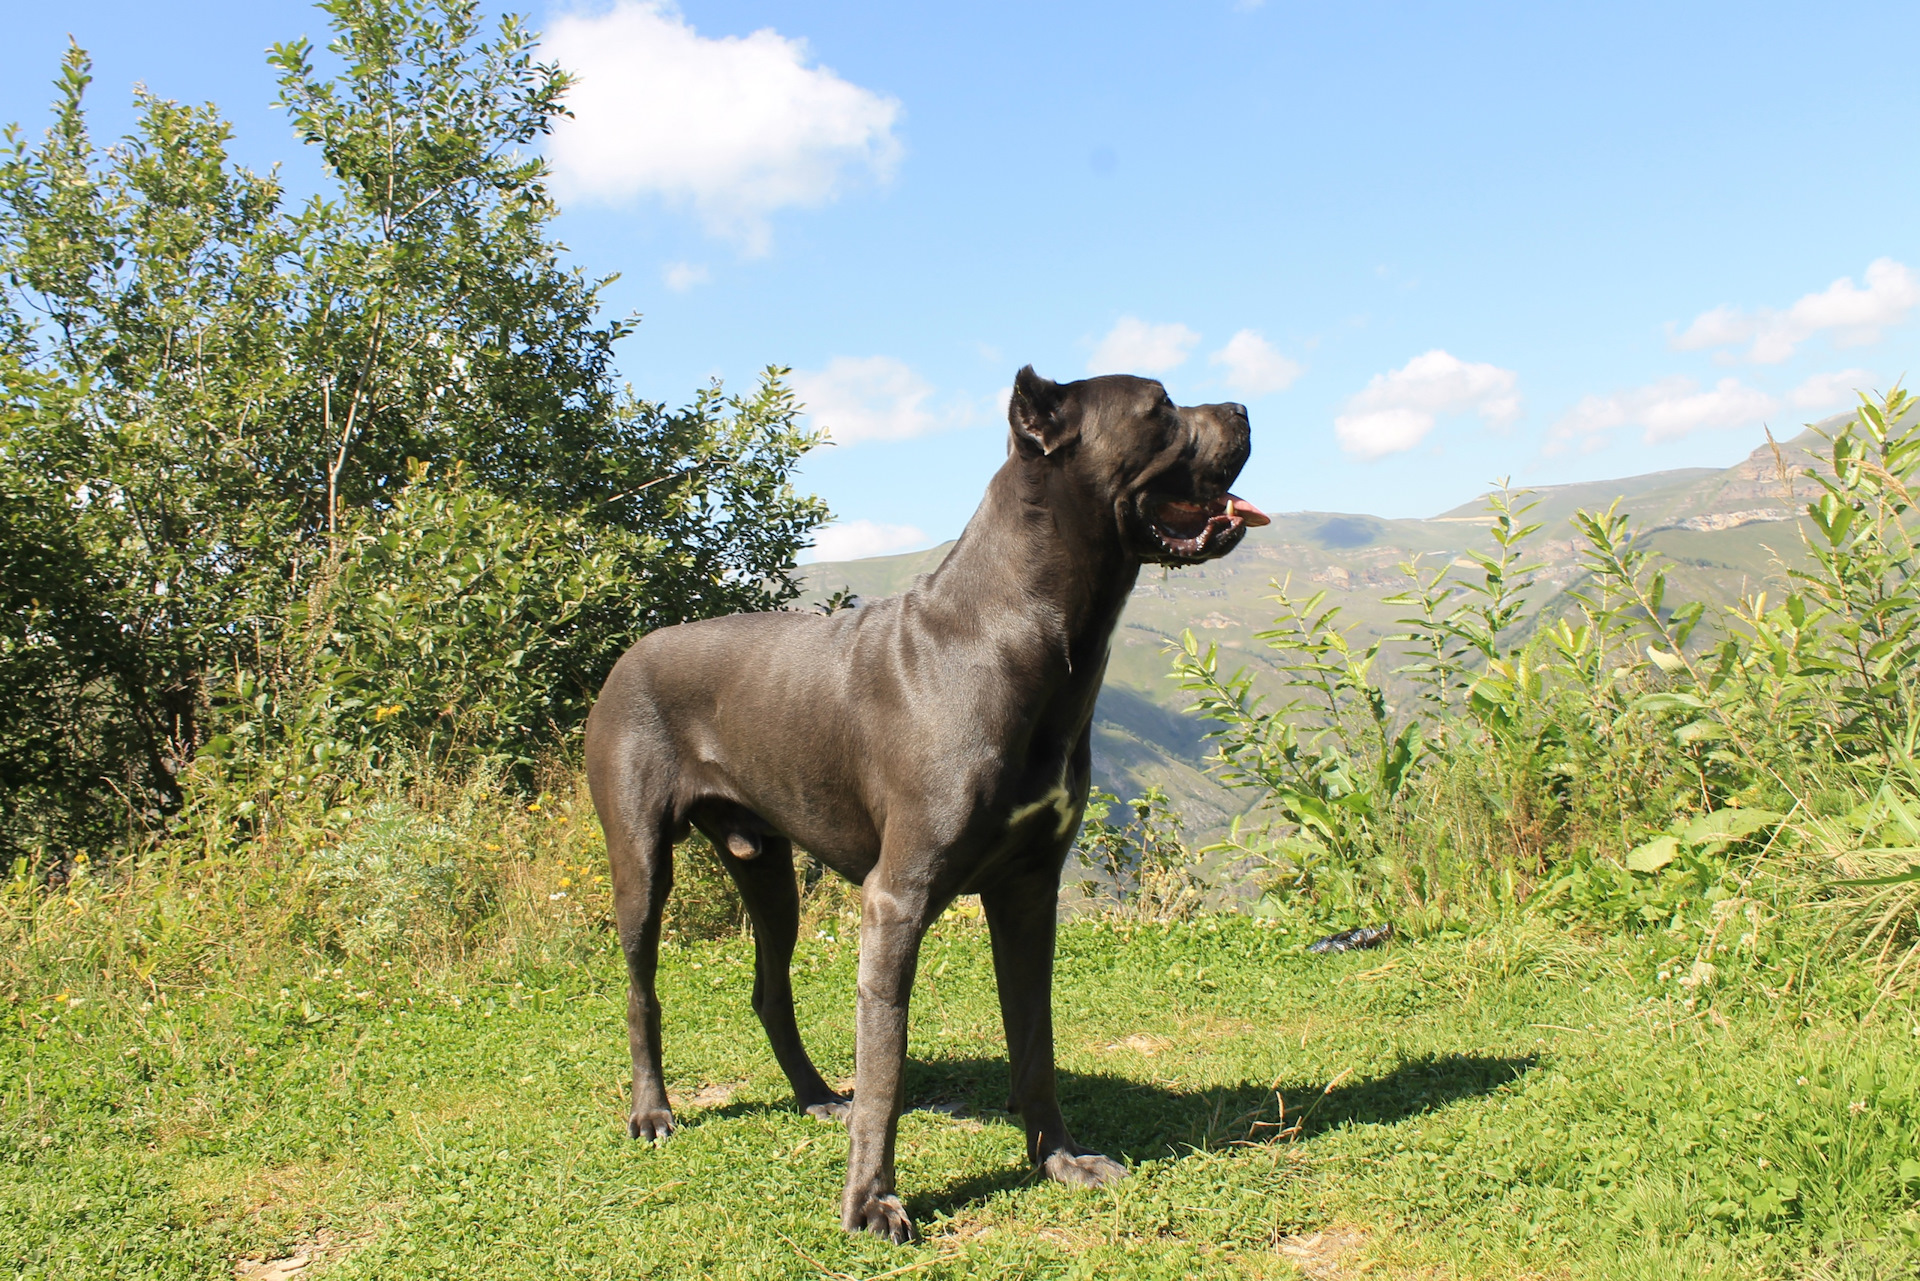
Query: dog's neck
{"type": "Point", "coordinates": [1068, 558]}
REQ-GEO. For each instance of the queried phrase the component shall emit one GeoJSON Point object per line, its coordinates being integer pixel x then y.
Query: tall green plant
{"type": "Point", "coordinates": [215, 403]}
{"type": "Point", "coordinates": [1329, 760]}
{"type": "Point", "coordinates": [1862, 576]}
{"type": "Point", "coordinates": [1642, 758]}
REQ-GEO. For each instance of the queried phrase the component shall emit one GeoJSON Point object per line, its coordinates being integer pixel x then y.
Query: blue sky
{"type": "Point", "coordinates": [1427, 245]}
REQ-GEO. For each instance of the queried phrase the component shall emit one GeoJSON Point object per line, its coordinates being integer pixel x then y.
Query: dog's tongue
{"type": "Point", "coordinates": [1246, 511]}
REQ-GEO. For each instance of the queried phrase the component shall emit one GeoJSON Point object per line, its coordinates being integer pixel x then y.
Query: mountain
{"type": "Point", "coordinates": [1724, 532]}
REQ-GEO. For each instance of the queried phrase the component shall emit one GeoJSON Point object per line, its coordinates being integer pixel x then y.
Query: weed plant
{"type": "Point", "coordinates": [1743, 781]}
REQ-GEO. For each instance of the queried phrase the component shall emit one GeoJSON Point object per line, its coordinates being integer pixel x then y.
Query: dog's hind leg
{"type": "Point", "coordinates": [765, 880]}
{"type": "Point", "coordinates": [640, 854]}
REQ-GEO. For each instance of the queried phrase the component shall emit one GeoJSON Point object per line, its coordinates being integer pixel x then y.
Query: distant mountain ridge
{"type": "Point", "coordinates": [1726, 532]}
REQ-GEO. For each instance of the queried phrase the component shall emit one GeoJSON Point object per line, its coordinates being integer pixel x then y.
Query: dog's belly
{"type": "Point", "coordinates": [819, 813]}
{"type": "Point", "coordinates": [983, 823]}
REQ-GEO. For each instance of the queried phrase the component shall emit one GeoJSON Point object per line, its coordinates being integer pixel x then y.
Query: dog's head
{"type": "Point", "coordinates": [1163, 468]}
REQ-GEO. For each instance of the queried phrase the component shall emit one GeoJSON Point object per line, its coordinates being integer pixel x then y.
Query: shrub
{"type": "Point", "coordinates": [1142, 866]}
{"type": "Point", "coordinates": [397, 880]}
{"type": "Point", "coordinates": [1612, 758]}
{"type": "Point", "coordinates": [228, 429]}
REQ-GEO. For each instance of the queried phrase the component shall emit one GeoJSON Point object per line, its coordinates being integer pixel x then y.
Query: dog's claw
{"type": "Point", "coordinates": [883, 1216]}
{"type": "Point", "coordinates": [1087, 1170]}
{"type": "Point", "coordinates": [835, 1109]}
{"type": "Point", "coordinates": [652, 1125]}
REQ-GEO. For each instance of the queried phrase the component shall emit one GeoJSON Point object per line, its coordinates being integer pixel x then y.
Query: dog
{"type": "Point", "coordinates": [924, 746]}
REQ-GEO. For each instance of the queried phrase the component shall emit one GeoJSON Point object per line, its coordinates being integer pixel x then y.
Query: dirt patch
{"type": "Point", "coordinates": [956, 1111]}
{"type": "Point", "coordinates": [1213, 1027]}
{"type": "Point", "coordinates": [1145, 1044]}
{"type": "Point", "coordinates": [710, 1096]}
{"type": "Point", "coordinates": [278, 1196]}
{"type": "Point", "coordinates": [1190, 1031]}
{"type": "Point", "coordinates": [1323, 1255]}
{"type": "Point", "coordinates": [301, 1261]}
{"type": "Point", "coordinates": [1068, 1239]}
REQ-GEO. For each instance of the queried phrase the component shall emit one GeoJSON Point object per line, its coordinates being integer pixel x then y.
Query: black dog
{"type": "Point", "coordinates": [924, 746]}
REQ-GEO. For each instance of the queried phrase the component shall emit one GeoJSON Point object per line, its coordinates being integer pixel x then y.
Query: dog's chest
{"type": "Point", "coordinates": [1027, 831]}
{"type": "Point", "coordinates": [1046, 802]}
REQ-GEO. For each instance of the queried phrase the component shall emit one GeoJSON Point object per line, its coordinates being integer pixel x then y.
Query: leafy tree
{"type": "Point", "coordinates": [216, 406]}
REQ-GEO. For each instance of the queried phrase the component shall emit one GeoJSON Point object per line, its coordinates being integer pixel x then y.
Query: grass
{"type": "Point", "coordinates": [1517, 1104]}
{"type": "Point", "coordinates": [370, 1025]}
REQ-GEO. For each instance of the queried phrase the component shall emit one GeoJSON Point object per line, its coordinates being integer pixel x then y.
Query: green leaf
{"type": "Point", "coordinates": [1664, 661]}
{"type": "Point", "coordinates": [1727, 825]}
{"type": "Point", "coordinates": [1654, 855]}
{"type": "Point", "coordinates": [1668, 702]}
{"type": "Point", "coordinates": [1908, 877]}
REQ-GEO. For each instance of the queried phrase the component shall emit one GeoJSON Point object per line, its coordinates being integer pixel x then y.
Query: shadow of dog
{"type": "Point", "coordinates": [1144, 1121]}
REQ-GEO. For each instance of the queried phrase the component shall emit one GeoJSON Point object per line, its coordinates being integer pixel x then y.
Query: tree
{"type": "Point", "coordinates": [216, 406]}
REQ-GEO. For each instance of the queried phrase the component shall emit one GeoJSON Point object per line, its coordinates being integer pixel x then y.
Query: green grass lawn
{"type": "Point", "coordinates": [1515, 1105]}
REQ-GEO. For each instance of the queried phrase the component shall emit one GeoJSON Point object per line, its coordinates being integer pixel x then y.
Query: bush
{"type": "Point", "coordinates": [263, 470]}
{"type": "Point", "coordinates": [1613, 759]}
{"type": "Point", "coordinates": [397, 881]}
{"type": "Point", "coordinates": [1142, 866]}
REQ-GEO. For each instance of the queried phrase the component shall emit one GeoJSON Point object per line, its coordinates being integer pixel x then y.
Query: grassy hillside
{"type": "Point", "coordinates": [1516, 1105]}
{"type": "Point", "coordinates": [1725, 530]}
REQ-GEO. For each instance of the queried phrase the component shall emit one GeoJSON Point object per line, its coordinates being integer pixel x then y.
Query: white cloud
{"type": "Point", "coordinates": [868, 398]}
{"type": "Point", "coordinates": [1398, 409]}
{"type": "Point", "coordinates": [734, 128]}
{"type": "Point", "coordinates": [1830, 391]}
{"type": "Point", "coordinates": [1133, 346]}
{"type": "Point", "coordinates": [1855, 315]}
{"type": "Point", "coordinates": [857, 539]}
{"type": "Point", "coordinates": [682, 276]}
{"type": "Point", "coordinates": [1254, 367]}
{"type": "Point", "coordinates": [1668, 410]}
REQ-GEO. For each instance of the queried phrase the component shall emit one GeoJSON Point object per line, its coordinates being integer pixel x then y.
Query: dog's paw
{"type": "Point", "coordinates": [653, 1125]}
{"type": "Point", "coordinates": [883, 1216]}
{"type": "Point", "coordinates": [1087, 1170]}
{"type": "Point", "coordinates": [833, 1109]}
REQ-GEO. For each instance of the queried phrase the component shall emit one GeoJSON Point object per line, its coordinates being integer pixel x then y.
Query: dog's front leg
{"type": "Point", "coordinates": [1021, 917]}
{"type": "Point", "coordinates": [892, 920]}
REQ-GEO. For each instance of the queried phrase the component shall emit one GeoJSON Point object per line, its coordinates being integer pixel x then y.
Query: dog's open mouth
{"type": "Point", "coordinates": [1187, 528]}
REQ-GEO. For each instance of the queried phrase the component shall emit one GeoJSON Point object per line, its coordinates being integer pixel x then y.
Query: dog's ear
{"type": "Point", "coordinates": [1034, 412]}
